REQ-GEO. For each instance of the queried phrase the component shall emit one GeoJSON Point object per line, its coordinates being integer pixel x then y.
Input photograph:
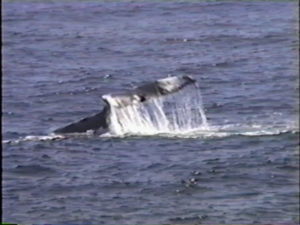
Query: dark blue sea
{"type": "Point", "coordinates": [60, 57]}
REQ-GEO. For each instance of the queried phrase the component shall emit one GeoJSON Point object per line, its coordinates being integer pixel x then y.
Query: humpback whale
{"type": "Point", "coordinates": [138, 95]}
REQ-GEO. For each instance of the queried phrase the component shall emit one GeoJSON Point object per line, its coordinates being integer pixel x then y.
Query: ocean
{"type": "Point", "coordinates": [60, 57]}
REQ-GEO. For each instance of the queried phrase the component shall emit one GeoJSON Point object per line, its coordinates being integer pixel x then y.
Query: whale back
{"type": "Point", "coordinates": [93, 122]}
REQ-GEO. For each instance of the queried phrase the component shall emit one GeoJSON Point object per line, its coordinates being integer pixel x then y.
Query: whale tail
{"type": "Point", "coordinates": [141, 94]}
{"type": "Point", "coordinates": [148, 91]}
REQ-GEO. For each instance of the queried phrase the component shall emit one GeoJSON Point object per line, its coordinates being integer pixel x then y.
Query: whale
{"type": "Point", "coordinates": [138, 95]}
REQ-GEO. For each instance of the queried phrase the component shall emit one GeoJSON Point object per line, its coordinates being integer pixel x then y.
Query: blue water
{"type": "Point", "coordinates": [59, 57]}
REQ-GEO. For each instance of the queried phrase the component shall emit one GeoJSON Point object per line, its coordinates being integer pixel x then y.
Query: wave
{"type": "Point", "coordinates": [35, 170]}
{"type": "Point", "coordinates": [51, 137]}
{"type": "Point", "coordinates": [211, 132]}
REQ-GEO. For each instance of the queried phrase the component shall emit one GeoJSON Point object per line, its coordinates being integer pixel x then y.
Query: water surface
{"type": "Point", "coordinates": [60, 57]}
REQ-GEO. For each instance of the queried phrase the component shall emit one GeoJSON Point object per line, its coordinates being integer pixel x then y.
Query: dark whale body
{"type": "Point", "coordinates": [141, 94]}
{"type": "Point", "coordinates": [94, 122]}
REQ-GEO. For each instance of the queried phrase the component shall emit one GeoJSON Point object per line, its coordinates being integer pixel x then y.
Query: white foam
{"type": "Point", "coordinates": [50, 137]}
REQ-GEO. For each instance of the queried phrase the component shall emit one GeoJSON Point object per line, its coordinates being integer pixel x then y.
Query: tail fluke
{"type": "Point", "coordinates": [148, 91]}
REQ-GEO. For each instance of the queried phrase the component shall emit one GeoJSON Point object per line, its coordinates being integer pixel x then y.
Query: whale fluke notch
{"type": "Point", "coordinates": [138, 95]}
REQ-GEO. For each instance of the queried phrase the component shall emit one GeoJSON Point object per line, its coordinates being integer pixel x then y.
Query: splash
{"type": "Point", "coordinates": [180, 113]}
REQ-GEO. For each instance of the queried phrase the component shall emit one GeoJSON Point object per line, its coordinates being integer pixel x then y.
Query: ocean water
{"type": "Point", "coordinates": [60, 57]}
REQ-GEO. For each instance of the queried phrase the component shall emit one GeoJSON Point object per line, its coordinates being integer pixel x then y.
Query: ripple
{"type": "Point", "coordinates": [32, 170]}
